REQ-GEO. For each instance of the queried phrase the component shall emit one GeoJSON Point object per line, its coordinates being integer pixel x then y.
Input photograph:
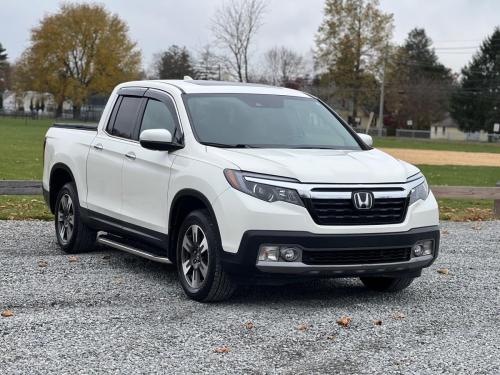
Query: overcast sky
{"type": "Point", "coordinates": [156, 24]}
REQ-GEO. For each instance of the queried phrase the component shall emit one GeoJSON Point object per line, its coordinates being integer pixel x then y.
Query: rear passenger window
{"type": "Point", "coordinates": [158, 115]}
{"type": "Point", "coordinates": [126, 117]}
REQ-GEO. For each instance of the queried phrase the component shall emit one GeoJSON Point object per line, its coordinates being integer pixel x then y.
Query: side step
{"type": "Point", "coordinates": [114, 242]}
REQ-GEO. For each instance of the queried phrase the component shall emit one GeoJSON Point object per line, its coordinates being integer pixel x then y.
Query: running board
{"type": "Point", "coordinates": [114, 243]}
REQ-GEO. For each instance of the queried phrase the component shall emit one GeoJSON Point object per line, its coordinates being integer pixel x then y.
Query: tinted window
{"type": "Point", "coordinates": [158, 115]}
{"type": "Point", "coordinates": [267, 121]}
{"type": "Point", "coordinates": [126, 117]}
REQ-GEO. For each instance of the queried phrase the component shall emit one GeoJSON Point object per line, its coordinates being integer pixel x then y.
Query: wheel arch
{"type": "Point", "coordinates": [184, 202]}
{"type": "Point", "coordinates": [60, 174]}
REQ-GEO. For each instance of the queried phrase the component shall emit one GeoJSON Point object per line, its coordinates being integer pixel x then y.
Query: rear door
{"type": "Point", "coordinates": [146, 173]}
{"type": "Point", "coordinates": [107, 155]}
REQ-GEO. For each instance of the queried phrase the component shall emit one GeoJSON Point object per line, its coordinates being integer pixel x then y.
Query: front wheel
{"type": "Point", "coordinates": [199, 265]}
{"type": "Point", "coordinates": [72, 234]}
{"type": "Point", "coordinates": [387, 284]}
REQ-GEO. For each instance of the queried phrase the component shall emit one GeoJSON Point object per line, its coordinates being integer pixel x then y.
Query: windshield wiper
{"type": "Point", "coordinates": [224, 145]}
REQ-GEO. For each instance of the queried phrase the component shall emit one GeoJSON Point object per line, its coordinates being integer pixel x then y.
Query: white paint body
{"type": "Point", "coordinates": [140, 191]}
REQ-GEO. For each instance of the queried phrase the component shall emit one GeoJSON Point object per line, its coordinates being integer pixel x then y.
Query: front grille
{"type": "Point", "coordinates": [367, 256]}
{"type": "Point", "coordinates": [343, 212]}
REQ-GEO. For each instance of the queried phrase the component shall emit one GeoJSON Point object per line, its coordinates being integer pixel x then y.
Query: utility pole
{"type": "Point", "coordinates": [380, 123]}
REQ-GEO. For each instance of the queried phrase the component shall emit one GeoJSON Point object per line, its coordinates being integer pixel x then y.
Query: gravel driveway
{"type": "Point", "coordinates": [111, 312]}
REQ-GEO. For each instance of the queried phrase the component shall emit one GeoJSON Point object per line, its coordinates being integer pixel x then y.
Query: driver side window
{"type": "Point", "coordinates": [158, 115]}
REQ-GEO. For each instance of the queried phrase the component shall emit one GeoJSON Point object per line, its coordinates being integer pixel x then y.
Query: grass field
{"type": "Point", "coordinates": [427, 144]}
{"type": "Point", "coordinates": [21, 143]}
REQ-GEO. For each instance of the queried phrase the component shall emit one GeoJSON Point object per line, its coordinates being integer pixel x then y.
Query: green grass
{"type": "Point", "coordinates": [21, 143]}
{"type": "Point", "coordinates": [454, 175]}
{"type": "Point", "coordinates": [427, 144]}
{"type": "Point", "coordinates": [27, 207]}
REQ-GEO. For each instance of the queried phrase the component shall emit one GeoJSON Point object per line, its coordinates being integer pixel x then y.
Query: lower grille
{"type": "Point", "coordinates": [343, 212]}
{"type": "Point", "coordinates": [367, 256]}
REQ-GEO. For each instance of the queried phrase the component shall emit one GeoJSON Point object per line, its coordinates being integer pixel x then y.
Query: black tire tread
{"type": "Point", "coordinates": [222, 286]}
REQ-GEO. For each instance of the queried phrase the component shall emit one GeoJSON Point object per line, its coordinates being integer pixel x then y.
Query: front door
{"type": "Point", "coordinates": [146, 173]}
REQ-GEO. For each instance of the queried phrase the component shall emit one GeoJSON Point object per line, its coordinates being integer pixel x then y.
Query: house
{"type": "Point", "coordinates": [448, 129]}
{"type": "Point", "coordinates": [31, 101]}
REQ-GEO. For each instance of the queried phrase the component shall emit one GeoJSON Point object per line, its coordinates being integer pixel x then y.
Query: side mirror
{"type": "Point", "coordinates": [366, 138]}
{"type": "Point", "coordinates": [158, 139]}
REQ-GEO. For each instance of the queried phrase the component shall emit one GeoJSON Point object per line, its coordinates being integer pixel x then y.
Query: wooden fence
{"type": "Point", "coordinates": [22, 187]}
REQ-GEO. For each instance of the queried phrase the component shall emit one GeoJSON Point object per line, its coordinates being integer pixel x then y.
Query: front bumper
{"type": "Point", "coordinates": [244, 263]}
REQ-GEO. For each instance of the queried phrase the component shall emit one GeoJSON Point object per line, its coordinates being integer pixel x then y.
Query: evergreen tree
{"type": "Point", "coordinates": [476, 105]}
{"type": "Point", "coordinates": [175, 63]}
{"type": "Point", "coordinates": [418, 85]}
{"type": "Point", "coordinates": [4, 73]}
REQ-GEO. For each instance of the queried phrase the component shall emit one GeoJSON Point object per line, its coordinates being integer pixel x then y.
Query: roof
{"type": "Point", "coordinates": [218, 87]}
{"type": "Point", "coordinates": [447, 122]}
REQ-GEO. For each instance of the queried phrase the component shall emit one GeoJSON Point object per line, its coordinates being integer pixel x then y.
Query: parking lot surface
{"type": "Point", "coordinates": [110, 312]}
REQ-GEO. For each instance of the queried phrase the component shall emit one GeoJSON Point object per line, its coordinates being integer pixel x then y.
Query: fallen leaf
{"type": "Point", "coordinates": [344, 321]}
{"type": "Point", "coordinates": [331, 337]}
{"type": "Point", "coordinates": [302, 327]}
{"type": "Point", "coordinates": [377, 322]}
{"type": "Point", "coordinates": [222, 349]}
{"type": "Point", "coordinates": [42, 263]}
{"type": "Point", "coordinates": [399, 316]}
{"type": "Point", "coordinates": [106, 257]}
{"type": "Point", "coordinates": [249, 325]}
{"type": "Point", "coordinates": [7, 313]}
{"type": "Point", "coordinates": [443, 271]}
{"type": "Point", "coordinates": [73, 259]}
{"type": "Point", "coordinates": [444, 231]}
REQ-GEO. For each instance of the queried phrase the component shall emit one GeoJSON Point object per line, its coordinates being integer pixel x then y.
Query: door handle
{"type": "Point", "coordinates": [130, 155]}
{"type": "Point", "coordinates": [98, 146]}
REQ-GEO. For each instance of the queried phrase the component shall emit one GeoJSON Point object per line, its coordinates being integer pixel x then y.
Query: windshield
{"type": "Point", "coordinates": [267, 121]}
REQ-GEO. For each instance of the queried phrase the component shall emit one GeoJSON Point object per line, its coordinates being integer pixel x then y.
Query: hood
{"type": "Point", "coordinates": [320, 166]}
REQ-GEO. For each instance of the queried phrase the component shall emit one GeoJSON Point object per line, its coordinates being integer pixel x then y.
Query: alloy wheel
{"type": "Point", "coordinates": [65, 219]}
{"type": "Point", "coordinates": [194, 256]}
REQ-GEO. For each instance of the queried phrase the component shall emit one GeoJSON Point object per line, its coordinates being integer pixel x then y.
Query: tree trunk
{"type": "Point", "coordinates": [59, 109]}
{"type": "Point", "coordinates": [76, 111]}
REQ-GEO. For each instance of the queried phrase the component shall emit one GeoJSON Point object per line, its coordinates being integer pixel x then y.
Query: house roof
{"type": "Point", "coordinates": [447, 122]}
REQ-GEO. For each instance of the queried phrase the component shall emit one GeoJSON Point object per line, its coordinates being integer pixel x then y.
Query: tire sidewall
{"type": "Point", "coordinates": [69, 189]}
{"type": "Point", "coordinates": [201, 219]}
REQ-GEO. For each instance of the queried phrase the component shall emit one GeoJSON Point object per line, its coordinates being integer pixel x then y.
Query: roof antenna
{"type": "Point", "coordinates": [187, 78]}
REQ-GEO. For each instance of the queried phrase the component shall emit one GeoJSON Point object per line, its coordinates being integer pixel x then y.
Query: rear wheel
{"type": "Point", "coordinates": [72, 234]}
{"type": "Point", "coordinates": [199, 265]}
{"type": "Point", "coordinates": [387, 284]}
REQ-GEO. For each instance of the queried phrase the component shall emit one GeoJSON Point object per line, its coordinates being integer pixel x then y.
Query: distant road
{"type": "Point", "coordinates": [434, 157]}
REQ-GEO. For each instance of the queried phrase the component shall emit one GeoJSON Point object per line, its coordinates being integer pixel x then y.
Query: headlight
{"type": "Point", "coordinates": [419, 192]}
{"type": "Point", "coordinates": [265, 192]}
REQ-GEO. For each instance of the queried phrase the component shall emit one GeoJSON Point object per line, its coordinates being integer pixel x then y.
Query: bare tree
{"type": "Point", "coordinates": [234, 26]}
{"type": "Point", "coordinates": [283, 64]}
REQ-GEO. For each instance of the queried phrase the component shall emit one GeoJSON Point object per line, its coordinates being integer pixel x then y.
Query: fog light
{"type": "Point", "coordinates": [422, 248]}
{"type": "Point", "coordinates": [269, 253]}
{"type": "Point", "coordinates": [418, 250]}
{"type": "Point", "coordinates": [290, 254]}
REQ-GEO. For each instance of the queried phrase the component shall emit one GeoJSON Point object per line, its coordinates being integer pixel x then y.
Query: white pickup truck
{"type": "Point", "coordinates": [238, 183]}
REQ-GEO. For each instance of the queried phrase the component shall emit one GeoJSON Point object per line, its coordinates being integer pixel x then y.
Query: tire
{"type": "Point", "coordinates": [72, 234]}
{"type": "Point", "coordinates": [199, 265]}
{"type": "Point", "coordinates": [387, 284]}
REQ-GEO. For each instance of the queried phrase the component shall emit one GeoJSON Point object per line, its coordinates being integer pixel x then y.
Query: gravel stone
{"type": "Point", "coordinates": [110, 312]}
